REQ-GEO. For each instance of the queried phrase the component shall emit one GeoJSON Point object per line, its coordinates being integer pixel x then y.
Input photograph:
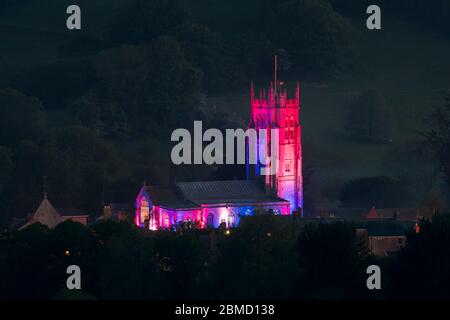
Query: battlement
{"type": "Point", "coordinates": [274, 97]}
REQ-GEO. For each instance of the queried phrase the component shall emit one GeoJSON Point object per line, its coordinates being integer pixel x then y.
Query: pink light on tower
{"type": "Point", "coordinates": [275, 109]}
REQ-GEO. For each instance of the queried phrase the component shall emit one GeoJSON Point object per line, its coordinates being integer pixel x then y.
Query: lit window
{"type": "Point", "coordinates": [231, 219]}
{"type": "Point", "coordinates": [210, 220]}
{"type": "Point", "coordinates": [288, 166]}
{"type": "Point", "coordinates": [144, 210]}
{"type": "Point", "coordinates": [153, 225]}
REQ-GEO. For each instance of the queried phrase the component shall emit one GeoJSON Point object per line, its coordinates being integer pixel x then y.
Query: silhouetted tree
{"type": "Point", "coordinates": [317, 37]}
{"type": "Point", "coordinates": [374, 191]}
{"type": "Point", "coordinates": [331, 260]}
{"type": "Point", "coordinates": [437, 138]}
{"type": "Point", "coordinates": [420, 270]}
{"type": "Point", "coordinates": [21, 117]}
{"type": "Point", "coordinates": [369, 118]}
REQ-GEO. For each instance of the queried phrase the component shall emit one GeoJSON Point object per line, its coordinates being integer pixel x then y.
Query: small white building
{"type": "Point", "coordinates": [47, 215]}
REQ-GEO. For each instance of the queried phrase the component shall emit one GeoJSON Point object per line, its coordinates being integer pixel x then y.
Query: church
{"type": "Point", "coordinates": [211, 204]}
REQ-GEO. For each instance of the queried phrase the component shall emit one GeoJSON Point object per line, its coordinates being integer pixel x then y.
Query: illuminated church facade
{"type": "Point", "coordinates": [223, 203]}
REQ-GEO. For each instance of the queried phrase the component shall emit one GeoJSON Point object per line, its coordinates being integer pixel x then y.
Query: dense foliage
{"type": "Point", "coordinates": [265, 257]}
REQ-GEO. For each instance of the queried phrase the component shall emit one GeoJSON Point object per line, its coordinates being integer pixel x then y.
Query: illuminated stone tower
{"type": "Point", "coordinates": [272, 109]}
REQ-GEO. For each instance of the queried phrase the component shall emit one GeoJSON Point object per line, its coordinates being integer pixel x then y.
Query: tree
{"type": "Point", "coordinates": [125, 262]}
{"type": "Point", "coordinates": [382, 192]}
{"type": "Point", "coordinates": [432, 204]}
{"type": "Point", "coordinates": [77, 163]}
{"type": "Point", "coordinates": [27, 264]}
{"type": "Point", "coordinates": [369, 118]}
{"type": "Point", "coordinates": [437, 138]}
{"type": "Point", "coordinates": [317, 37]}
{"type": "Point", "coordinates": [141, 21]}
{"type": "Point", "coordinates": [21, 117]}
{"type": "Point", "coordinates": [256, 260]}
{"type": "Point", "coordinates": [6, 171]}
{"type": "Point", "coordinates": [331, 260]}
{"type": "Point", "coordinates": [71, 243]}
{"type": "Point", "coordinates": [6, 167]}
{"type": "Point", "coordinates": [209, 52]}
{"type": "Point", "coordinates": [420, 270]}
{"type": "Point", "coordinates": [140, 90]}
{"type": "Point", "coordinates": [24, 195]}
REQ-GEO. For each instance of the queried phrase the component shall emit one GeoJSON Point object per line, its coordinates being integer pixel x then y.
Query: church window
{"type": "Point", "coordinates": [210, 220]}
{"type": "Point", "coordinates": [231, 219]}
{"type": "Point", "coordinates": [153, 224]}
{"type": "Point", "coordinates": [166, 220]}
{"type": "Point", "coordinates": [288, 166]}
{"type": "Point", "coordinates": [144, 210]}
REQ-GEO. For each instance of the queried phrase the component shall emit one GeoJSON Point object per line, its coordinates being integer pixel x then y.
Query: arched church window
{"type": "Point", "coordinates": [153, 223]}
{"type": "Point", "coordinates": [231, 219]}
{"type": "Point", "coordinates": [210, 220]}
{"type": "Point", "coordinates": [144, 210]}
{"type": "Point", "coordinates": [166, 220]}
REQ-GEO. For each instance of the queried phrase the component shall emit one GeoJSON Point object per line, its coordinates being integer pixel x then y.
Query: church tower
{"type": "Point", "coordinates": [273, 109]}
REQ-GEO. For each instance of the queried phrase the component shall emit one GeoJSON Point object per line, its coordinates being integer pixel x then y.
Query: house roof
{"type": "Point", "coordinates": [386, 228]}
{"type": "Point", "coordinates": [373, 214]}
{"type": "Point", "coordinates": [71, 212]}
{"type": "Point", "coordinates": [45, 214]}
{"type": "Point", "coordinates": [48, 215]}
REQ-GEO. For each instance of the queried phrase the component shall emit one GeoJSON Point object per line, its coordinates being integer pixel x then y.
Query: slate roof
{"type": "Point", "coordinates": [168, 197]}
{"type": "Point", "coordinates": [190, 195]}
{"type": "Point", "coordinates": [386, 228]}
{"type": "Point", "coordinates": [237, 191]}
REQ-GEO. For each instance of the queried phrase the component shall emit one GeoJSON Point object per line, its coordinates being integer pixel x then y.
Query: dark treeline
{"type": "Point", "coordinates": [263, 258]}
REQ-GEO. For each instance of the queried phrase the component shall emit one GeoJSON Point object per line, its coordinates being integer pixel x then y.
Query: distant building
{"type": "Point", "coordinates": [48, 215]}
{"type": "Point", "coordinates": [117, 212]}
{"type": "Point", "coordinates": [384, 237]}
